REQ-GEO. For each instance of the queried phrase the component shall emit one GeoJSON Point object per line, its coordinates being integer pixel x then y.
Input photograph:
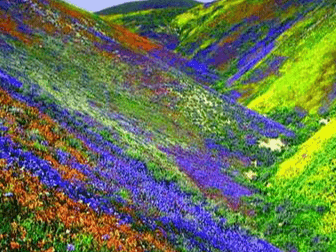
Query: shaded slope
{"type": "Point", "coordinates": [154, 24]}
{"type": "Point", "coordinates": [146, 5]}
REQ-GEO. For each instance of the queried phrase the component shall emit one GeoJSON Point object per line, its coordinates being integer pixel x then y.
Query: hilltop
{"type": "Point", "coordinates": [146, 5]}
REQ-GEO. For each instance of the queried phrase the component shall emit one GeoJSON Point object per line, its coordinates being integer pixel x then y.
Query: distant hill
{"type": "Point", "coordinates": [249, 43]}
{"type": "Point", "coordinates": [146, 5]}
{"type": "Point", "coordinates": [154, 24]}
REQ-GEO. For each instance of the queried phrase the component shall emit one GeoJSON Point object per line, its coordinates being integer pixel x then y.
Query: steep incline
{"type": "Point", "coordinates": [247, 44]}
{"type": "Point", "coordinates": [108, 127]}
{"type": "Point", "coordinates": [277, 58]}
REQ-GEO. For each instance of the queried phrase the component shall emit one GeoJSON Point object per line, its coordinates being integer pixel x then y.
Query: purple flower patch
{"type": "Point", "coordinates": [251, 140]}
{"type": "Point", "coordinates": [332, 94]}
{"type": "Point", "coordinates": [70, 247]}
{"type": "Point", "coordinates": [206, 171]}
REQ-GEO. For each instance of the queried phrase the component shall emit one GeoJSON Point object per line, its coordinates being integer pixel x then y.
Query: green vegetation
{"type": "Point", "coordinates": [144, 113]}
{"type": "Point", "coordinates": [153, 20]}
{"type": "Point", "coordinates": [145, 5]}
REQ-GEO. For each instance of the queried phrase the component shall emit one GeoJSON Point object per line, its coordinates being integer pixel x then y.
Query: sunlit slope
{"type": "Point", "coordinates": [306, 76]}
{"type": "Point", "coordinates": [303, 188]}
{"type": "Point", "coordinates": [296, 165]}
{"type": "Point", "coordinates": [228, 34]}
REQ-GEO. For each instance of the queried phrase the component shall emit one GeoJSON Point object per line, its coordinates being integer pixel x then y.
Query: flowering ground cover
{"type": "Point", "coordinates": [256, 53]}
{"type": "Point", "coordinates": [110, 141]}
{"type": "Point", "coordinates": [230, 36]}
{"type": "Point", "coordinates": [164, 203]}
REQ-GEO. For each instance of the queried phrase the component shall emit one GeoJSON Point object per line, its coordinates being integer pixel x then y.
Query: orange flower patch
{"type": "Point", "coordinates": [43, 123]}
{"type": "Point", "coordinates": [30, 193]}
{"type": "Point", "coordinates": [9, 26]}
{"type": "Point", "coordinates": [14, 245]}
{"type": "Point", "coordinates": [51, 249]}
{"type": "Point", "coordinates": [3, 163]}
{"type": "Point", "coordinates": [229, 39]}
{"type": "Point", "coordinates": [66, 172]}
{"type": "Point", "coordinates": [263, 11]}
{"type": "Point", "coordinates": [66, 10]}
{"type": "Point", "coordinates": [65, 26]}
{"type": "Point", "coordinates": [89, 35]}
{"type": "Point", "coordinates": [105, 54]}
{"type": "Point", "coordinates": [132, 40]}
{"type": "Point", "coordinates": [72, 214]}
{"type": "Point", "coordinates": [64, 22]}
{"type": "Point", "coordinates": [20, 136]}
{"type": "Point", "coordinates": [49, 28]}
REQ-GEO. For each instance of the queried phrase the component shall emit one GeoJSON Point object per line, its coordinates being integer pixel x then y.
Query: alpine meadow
{"type": "Point", "coordinates": [168, 126]}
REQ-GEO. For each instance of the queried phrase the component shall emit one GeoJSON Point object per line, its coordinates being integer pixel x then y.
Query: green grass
{"type": "Point", "coordinates": [147, 20]}
{"type": "Point", "coordinates": [292, 211]}
{"type": "Point", "coordinates": [132, 7]}
{"type": "Point", "coordinates": [307, 75]}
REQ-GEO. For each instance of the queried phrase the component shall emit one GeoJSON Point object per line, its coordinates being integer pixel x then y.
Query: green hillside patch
{"type": "Point", "coordinates": [152, 142]}
{"type": "Point", "coordinates": [134, 6]}
{"type": "Point", "coordinates": [88, 77]}
{"type": "Point", "coordinates": [147, 20]}
{"type": "Point", "coordinates": [307, 76]}
{"type": "Point", "coordinates": [298, 211]}
{"type": "Point", "coordinates": [303, 82]}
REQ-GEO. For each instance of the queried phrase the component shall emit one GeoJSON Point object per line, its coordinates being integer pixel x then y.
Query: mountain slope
{"type": "Point", "coordinates": [147, 5]}
{"type": "Point", "coordinates": [314, 50]}
{"type": "Point", "coordinates": [153, 23]}
{"type": "Point", "coordinates": [110, 129]}
{"type": "Point", "coordinates": [300, 199]}
{"type": "Point", "coordinates": [109, 140]}
{"type": "Point", "coordinates": [235, 37]}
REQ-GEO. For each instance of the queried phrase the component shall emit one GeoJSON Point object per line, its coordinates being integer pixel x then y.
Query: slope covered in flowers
{"type": "Point", "coordinates": [96, 118]}
{"type": "Point", "coordinates": [258, 49]}
{"type": "Point", "coordinates": [229, 35]}
{"type": "Point", "coordinates": [108, 142]}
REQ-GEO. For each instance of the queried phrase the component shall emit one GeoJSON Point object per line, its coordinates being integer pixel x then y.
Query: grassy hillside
{"type": "Point", "coordinates": [298, 210]}
{"type": "Point", "coordinates": [308, 70]}
{"type": "Point", "coordinates": [147, 5]}
{"type": "Point", "coordinates": [154, 24]}
{"type": "Point", "coordinates": [110, 141]}
{"type": "Point", "coordinates": [237, 40]}
{"type": "Point", "coordinates": [105, 145]}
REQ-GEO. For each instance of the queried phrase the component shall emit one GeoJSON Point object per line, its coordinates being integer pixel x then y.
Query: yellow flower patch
{"type": "Point", "coordinates": [294, 166]}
